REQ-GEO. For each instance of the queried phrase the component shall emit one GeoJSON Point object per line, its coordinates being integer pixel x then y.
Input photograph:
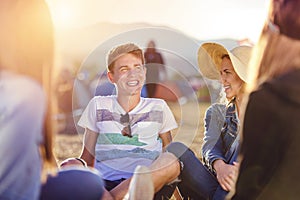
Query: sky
{"type": "Point", "coordinates": [201, 19]}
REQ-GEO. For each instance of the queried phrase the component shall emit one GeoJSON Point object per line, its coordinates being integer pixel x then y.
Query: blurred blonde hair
{"type": "Point", "coordinates": [276, 52]}
{"type": "Point", "coordinates": [27, 47]}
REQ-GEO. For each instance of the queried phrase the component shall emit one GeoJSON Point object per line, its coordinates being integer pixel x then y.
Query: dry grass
{"type": "Point", "coordinates": [67, 146]}
{"type": "Point", "coordinates": [189, 117]}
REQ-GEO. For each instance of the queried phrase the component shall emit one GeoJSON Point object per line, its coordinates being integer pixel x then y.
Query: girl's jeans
{"type": "Point", "coordinates": [197, 182]}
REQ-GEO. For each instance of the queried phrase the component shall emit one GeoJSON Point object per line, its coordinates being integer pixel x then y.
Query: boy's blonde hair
{"type": "Point", "coordinates": [116, 52]}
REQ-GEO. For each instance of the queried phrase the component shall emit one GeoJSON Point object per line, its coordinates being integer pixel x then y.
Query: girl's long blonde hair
{"type": "Point", "coordinates": [27, 47]}
{"type": "Point", "coordinates": [275, 53]}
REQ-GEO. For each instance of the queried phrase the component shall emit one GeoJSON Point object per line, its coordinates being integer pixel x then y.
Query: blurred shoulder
{"type": "Point", "coordinates": [18, 88]}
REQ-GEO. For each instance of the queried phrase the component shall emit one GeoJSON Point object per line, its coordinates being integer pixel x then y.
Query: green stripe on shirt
{"type": "Point", "coordinates": [117, 138]}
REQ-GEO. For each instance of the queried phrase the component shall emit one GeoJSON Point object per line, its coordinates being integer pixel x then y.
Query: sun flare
{"type": "Point", "coordinates": [63, 14]}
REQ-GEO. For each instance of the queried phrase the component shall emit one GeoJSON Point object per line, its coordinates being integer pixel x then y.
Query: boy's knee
{"type": "Point", "coordinates": [169, 157]}
{"type": "Point", "coordinates": [166, 159]}
{"type": "Point", "coordinates": [177, 149]}
{"type": "Point", "coordinates": [166, 162]}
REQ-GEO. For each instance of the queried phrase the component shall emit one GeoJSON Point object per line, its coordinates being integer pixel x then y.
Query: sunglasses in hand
{"type": "Point", "coordinates": [125, 120]}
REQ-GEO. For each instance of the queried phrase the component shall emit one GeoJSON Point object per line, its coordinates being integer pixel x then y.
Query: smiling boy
{"type": "Point", "coordinates": [125, 130]}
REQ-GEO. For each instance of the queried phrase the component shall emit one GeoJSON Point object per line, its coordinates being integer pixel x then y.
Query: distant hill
{"type": "Point", "coordinates": [80, 41]}
{"type": "Point", "coordinates": [90, 44]}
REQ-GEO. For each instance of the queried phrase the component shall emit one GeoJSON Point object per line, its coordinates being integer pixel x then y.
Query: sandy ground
{"type": "Point", "coordinates": [190, 131]}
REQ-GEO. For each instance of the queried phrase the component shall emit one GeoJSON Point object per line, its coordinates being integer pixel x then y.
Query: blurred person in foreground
{"type": "Point", "coordinates": [74, 180]}
{"type": "Point", "coordinates": [26, 54]}
{"type": "Point", "coordinates": [26, 61]}
{"type": "Point", "coordinates": [214, 177]}
{"type": "Point", "coordinates": [270, 148]}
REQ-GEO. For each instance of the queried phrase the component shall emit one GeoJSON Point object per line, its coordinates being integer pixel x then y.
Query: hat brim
{"type": "Point", "coordinates": [210, 57]}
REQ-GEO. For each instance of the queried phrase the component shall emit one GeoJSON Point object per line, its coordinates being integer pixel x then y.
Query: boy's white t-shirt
{"type": "Point", "coordinates": [118, 155]}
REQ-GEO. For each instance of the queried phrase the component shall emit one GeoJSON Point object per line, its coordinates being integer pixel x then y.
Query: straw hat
{"type": "Point", "coordinates": [210, 58]}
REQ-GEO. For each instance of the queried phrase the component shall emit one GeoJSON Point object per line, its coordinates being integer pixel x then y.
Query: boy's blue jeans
{"type": "Point", "coordinates": [197, 182]}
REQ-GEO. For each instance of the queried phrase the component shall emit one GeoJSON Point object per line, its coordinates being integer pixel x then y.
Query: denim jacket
{"type": "Point", "coordinates": [226, 142]}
